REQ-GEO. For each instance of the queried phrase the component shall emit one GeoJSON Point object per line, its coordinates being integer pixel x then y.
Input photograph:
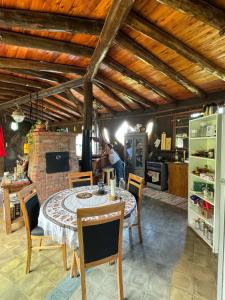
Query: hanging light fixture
{"type": "Point", "coordinates": [18, 115]}
{"type": "Point", "coordinates": [97, 105]}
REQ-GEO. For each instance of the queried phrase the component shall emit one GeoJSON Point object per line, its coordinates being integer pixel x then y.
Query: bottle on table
{"type": "Point", "coordinates": [122, 184]}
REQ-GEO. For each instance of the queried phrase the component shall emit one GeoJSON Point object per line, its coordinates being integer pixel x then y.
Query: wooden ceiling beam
{"type": "Point", "coordinates": [104, 105]}
{"type": "Point", "coordinates": [34, 66]}
{"type": "Point", "coordinates": [32, 119]}
{"type": "Point", "coordinates": [14, 94]}
{"type": "Point", "coordinates": [22, 81]}
{"type": "Point", "coordinates": [154, 32]}
{"type": "Point", "coordinates": [201, 10]}
{"type": "Point", "coordinates": [61, 105]}
{"type": "Point", "coordinates": [29, 41]}
{"type": "Point", "coordinates": [17, 63]}
{"type": "Point", "coordinates": [132, 46]}
{"type": "Point", "coordinates": [16, 87]}
{"type": "Point", "coordinates": [78, 104]}
{"type": "Point", "coordinates": [115, 18]}
{"type": "Point", "coordinates": [38, 114]}
{"type": "Point", "coordinates": [140, 80]}
{"type": "Point", "coordinates": [124, 91]}
{"type": "Point", "coordinates": [26, 89]}
{"type": "Point", "coordinates": [192, 103]}
{"type": "Point", "coordinates": [48, 21]}
{"type": "Point", "coordinates": [113, 96]}
{"type": "Point", "coordinates": [52, 109]}
{"type": "Point", "coordinates": [43, 93]}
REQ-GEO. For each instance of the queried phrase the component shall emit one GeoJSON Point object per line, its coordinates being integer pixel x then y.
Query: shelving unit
{"type": "Point", "coordinates": [206, 227]}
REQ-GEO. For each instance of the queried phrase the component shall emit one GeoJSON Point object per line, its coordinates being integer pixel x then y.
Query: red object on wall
{"type": "Point", "coordinates": [2, 144]}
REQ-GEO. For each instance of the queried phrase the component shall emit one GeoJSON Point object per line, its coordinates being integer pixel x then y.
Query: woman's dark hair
{"type": "Point", "coordinates": [110, 146]}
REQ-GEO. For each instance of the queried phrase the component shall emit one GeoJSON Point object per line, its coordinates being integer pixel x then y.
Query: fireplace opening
{"type": "Point", "coordinates": [57, 162]}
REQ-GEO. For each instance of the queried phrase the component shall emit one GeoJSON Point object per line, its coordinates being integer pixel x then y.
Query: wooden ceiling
{"type": "Point", "coordinates": [166, 54]}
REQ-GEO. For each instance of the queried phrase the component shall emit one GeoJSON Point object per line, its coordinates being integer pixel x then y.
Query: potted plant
{"type": "Point", "coordinates": [39, 126]}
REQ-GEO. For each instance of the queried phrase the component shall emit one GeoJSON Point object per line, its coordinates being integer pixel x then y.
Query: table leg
{"type": "Point", "coordinates": [6, 200]}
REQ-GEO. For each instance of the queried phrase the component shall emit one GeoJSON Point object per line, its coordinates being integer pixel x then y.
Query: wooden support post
{"type": "Point", "coordinates": [87, 130]}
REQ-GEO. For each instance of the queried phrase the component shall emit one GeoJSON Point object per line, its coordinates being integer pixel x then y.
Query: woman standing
{"type": "Point", "coordinates": [115, 161]}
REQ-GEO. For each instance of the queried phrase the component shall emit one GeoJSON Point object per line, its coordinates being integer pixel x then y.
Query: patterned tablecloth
{"type": "Point", "coordinates": [58, 213]}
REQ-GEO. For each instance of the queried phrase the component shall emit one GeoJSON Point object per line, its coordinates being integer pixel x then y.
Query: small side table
{"type": "Point", "coordinates": [107, 172]}
{"type": "Point", "coordinates": [9, 188]}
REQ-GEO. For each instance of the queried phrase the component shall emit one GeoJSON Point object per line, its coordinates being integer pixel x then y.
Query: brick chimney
{"type": "Point", "coordinates": [45, 142]}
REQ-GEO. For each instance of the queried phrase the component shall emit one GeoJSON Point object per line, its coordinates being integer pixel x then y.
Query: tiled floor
{"type": "Point", "coordinates": [173, 263]}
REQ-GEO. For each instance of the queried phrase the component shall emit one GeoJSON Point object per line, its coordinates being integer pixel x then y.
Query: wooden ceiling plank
{"type": "Point", "coordinates": [52, 22]}
{"type": "Point", "coordinates": [201, 10]}
{"type": "Point", "coordinates": [140, 80]}
{"type": "Point", "coordinates": [154, 32]}
{"type": "Point", "coordinates": [115, 18]}
{"type": "Point", "coordinates": [29, 41]}
{"type": "Point", "coordinates": [43, 93]}
{"type": "Point", "coordinates": [125, 91]}
{"type": "Point", "coordinates": [112, 95]}
{"type": "Point", "coordinates": [158, 64]}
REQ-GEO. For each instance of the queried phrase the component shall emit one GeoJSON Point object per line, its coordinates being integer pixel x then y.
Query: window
{"type": "Point", "coordinates": [122, 130]}
{"type": "Point", "coordinates": [149, 128]}
{"type": "Point", "coordinates": [106, 135]}
{"type": "Point", "coordinates": [78, 142]}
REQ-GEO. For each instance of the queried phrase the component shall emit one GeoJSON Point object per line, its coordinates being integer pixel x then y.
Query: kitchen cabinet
{"type": "Point", "coordinates": [178, 179]}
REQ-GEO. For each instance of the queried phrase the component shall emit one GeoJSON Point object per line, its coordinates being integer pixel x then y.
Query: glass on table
{"type": "Point", "coordinates": [101, 186]}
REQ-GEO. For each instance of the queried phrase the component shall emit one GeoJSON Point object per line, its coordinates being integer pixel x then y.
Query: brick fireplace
{"type": "Point", "coordinates": [50, 142]}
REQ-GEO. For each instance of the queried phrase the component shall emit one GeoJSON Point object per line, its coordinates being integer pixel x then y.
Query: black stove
{"type": "Point", "coordinates": [157, 175]}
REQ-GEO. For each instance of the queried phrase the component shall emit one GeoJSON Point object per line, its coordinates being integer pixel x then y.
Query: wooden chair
{"type": "Point", "coordinates": [77, 179]}
{"type": "Point", "coordinates": [134, 186]}
{"type": "Point", "coordinates": [30, 207]}
{"type": "Point", "coordinates": [100, 241]}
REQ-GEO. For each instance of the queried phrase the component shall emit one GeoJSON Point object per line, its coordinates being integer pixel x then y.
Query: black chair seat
{"type": "Point", "coordinates": [38, 231]}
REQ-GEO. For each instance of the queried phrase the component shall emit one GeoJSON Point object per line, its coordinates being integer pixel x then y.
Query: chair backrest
{"type": "Point", "coordinates": [100, 231]}
{"type": "Point", "coordinates": [77, 179]}
{"type": "Point", "coordinates": [30, 206]}
{"type": "Point", "coordinates": [134, 186]}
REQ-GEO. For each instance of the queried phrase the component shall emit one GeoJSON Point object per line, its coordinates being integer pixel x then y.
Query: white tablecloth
{"type": "Point", "coordinates": [58, 213]}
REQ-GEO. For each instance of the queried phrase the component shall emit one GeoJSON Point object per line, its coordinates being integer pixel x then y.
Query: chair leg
{"type": "Point", "coordinates": [29, 250]}
{"type": "Point", "coordinates": [83, 284]}
{"type": "Point", "coordinates": [74, 268]}
{"type": "Point", "coordinates": [40, 243]}
{"type": "Point", "coordinates": [64, 257]}
{"type": "Point", "coordinates": [139, 230]}
{"type": "Point", "coordinates": [120, 278]}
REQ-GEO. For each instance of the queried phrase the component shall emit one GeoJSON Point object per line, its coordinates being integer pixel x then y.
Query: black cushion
{"type": "Point", "coordinates": [134, 191]}
{"type": "Point", "coordinates": [81, 183]}
{"type": "Point", "coordinates": [100, 241]}
{"type": "Point", "coordinates": [33, 208]}
{"type": "Point", "coordinates": [38, 231]}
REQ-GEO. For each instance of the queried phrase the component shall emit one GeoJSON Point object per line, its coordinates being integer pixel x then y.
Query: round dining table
{"type": "Point", "coordinates": [58, 216]}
